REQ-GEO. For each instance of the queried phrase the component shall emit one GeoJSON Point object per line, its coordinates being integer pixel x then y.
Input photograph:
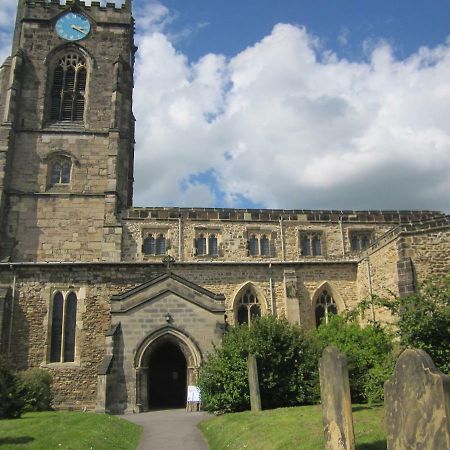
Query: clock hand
{"type": "Point", "coordinates": [81, 30]}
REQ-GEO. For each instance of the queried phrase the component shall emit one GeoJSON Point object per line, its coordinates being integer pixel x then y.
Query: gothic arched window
{"type": "Point", "coordinates": [265, 245]}
{"type": "Point", "coordinates": [325, 308]}
{"type": "Point", "coordinates": [253, 245]}
{"type": "Point", "coordinates": [160, 245]}
{"type": "Point", "coordinates": [68, 90]}
{"type": "Point", "coordinates": [63, 327]}
{"type": "Point", "coordinates": [148, 246]}
{"type": "Point", "coordinates": [60, 171]}
{"type": "Point", "coordinates": [248, 307]}
{"type": "Point", "coordinates": [213, 249]}
{"type": "Point", "coordinates": [311, 244]}
{"type": "Point", "coordinates": [201, 245]}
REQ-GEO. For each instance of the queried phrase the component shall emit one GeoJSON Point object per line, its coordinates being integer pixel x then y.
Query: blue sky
{"type": "Point", "coordinates": [231, 26]}
{"type": "Point", "coordinates": [324, 104]}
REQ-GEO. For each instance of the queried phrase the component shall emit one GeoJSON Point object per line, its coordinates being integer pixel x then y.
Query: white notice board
{"type": "Point", "coordinates": [193, 394]}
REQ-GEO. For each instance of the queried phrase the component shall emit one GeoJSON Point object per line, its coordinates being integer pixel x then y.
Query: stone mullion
{"type": "Point", "coordinates": [63, 329]}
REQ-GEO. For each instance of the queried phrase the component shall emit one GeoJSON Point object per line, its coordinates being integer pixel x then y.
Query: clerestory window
{"type": "Point", "coordinates": [259, 245]}
{"type": "Point", "coordinates": [63, 327]}
{"type": "Point", "coordinates": [68, 91]}
{"type": "Point", "coordinates": [155, 246]}
{"type": "Point", "coordinates": [205, 244]}
{"type": "Point", "coordinates": [360, 240]}
{"type": "Point", "coordinates": [310, 244]}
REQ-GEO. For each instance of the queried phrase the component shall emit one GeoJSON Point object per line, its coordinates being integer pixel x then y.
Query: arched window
{"type": "Point", "coordinates": [265, 245]}
{"type": "Point", "coordinates": [60, 171]}
{"type": "Point", "coordinates": [63, 327]}
{"type": "Point", "coordinates": [160, 245]}
{"type": "Point", "coordinates": [311, 244]}
{"type": "Point", "coordinates": [304, 245]}
{"type": "Point", "coordinates": [325, 308]}
{"type": "Point", "coordinates": [316, 246]}
{"type": "Point", "coordinates": [248, 307]}
{"type": "Point", "coordinates": [253, 245]}
{"type": "Point", "coordinates": [68, 91]}
{"type": "Point", "coordinates": [213, 249]}
{"type": "Point", "coordinates": [148, 246]}
{"type": "Point", "coordinates": [201, 245]}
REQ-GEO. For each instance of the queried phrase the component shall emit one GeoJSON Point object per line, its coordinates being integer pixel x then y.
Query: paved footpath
{"type": "Point", "coordinates": [173, 429]}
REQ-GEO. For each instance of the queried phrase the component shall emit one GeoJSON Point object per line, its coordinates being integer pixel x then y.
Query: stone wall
{"type": "Point", "coordinates": [234, 227]}
{"type": "Point", "coordinates": [95, 284]}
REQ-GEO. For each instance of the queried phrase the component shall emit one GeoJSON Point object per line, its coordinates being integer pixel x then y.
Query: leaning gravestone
{"type": "Point", "coordinates": [417, 401]}
{"type": "Point", "coordinates": [336, 401]}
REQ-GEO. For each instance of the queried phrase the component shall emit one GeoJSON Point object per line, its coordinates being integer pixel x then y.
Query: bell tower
{"type": "Point", "coordinates": [66, 131]}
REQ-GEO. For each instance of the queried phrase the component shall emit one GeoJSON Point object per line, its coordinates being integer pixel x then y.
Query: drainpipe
{"type": "Point", "coordinates": [180, 240]}
{"type": "Point", "coordinates": [342, 235]}
{"type": "Point", "coordinates": [272, 301]}
{"type": "Point", "coordinates": [11, 318]}
{"type": "Point", "coordinates": [369, 280]}
{"type": "Point", "coordinates": [282, 238]}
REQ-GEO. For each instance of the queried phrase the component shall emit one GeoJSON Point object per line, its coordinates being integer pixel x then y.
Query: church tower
{"type": "Point", "coordinates": [66, 131]}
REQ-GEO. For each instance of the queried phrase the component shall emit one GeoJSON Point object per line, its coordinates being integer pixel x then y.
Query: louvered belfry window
{"type": "Point", "coordinates": [69, 88]}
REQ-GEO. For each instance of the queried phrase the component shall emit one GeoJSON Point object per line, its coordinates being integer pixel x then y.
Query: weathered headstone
{"type": "Point", "coordinates": [253, 383]}
{"type": "Point", "coordinates": [336, 401]}
{"type": "Point", "coordinates": [417, 401]}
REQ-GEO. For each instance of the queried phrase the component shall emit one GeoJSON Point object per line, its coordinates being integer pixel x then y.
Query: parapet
{"type": "Point", "coordinates": [87, 4]}
{"type": "Point", "coordinates": [269, 215]}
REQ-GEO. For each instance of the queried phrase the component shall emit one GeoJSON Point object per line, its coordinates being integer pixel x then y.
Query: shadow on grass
{"type": "Point", "coordinates": [16, 440]}
{"type": "Point", "coordinates": [365, 407]}
{"type": "Point", "coordinates": [378, 445]}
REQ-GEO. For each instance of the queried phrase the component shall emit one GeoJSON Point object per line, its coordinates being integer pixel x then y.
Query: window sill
{"type": "Point", "coordinates": [61, 365]}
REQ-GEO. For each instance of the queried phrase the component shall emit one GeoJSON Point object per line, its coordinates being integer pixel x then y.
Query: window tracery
{"type": "Point", "coordinates": [68, 90]}
{"type": "Point", "coordinates": [325, 308]}
{"type": "Point", "coordinates": [248, 308]}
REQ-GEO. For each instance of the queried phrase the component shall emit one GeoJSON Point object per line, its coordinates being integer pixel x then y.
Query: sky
{"type": "Point", "coordinates": [296, 104]}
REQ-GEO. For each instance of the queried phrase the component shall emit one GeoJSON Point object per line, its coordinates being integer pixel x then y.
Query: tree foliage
{"type": "Point", "coordinates": [369, 354]}
{"type": "Point", "coordinates": [287, 367]}
{"type": "Point", "coordinates": [424, 320]}
{"type": "Point", "coordinates": [11, 397]}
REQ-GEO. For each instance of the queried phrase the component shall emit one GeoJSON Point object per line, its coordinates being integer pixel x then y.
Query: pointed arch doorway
{"type": "Point", "coordinates": [167, 377]}
{"type": "Point", "coordinates": [166, 363]}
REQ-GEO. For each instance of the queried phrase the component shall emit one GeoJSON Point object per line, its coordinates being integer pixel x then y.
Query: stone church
{"type": "Point", "coordinates": [122, 304]}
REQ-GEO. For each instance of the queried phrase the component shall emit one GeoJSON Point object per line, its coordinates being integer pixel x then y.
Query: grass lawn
{"type": "Point", "coordinates": [68, 430]}
{"type": "Point", "coordinates": [289, 428]}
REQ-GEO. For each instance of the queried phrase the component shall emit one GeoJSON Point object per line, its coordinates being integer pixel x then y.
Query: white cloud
{"type": "Point", "coordinates": [287, 126]}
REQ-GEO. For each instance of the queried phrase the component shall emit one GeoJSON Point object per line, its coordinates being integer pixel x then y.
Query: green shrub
{"type": "Point", "coordinates": [424, 321]}
{"type": "Point", "coordinates": [287, 367]}
{"type": "Point", "coordinates": [11, 401]}
{"type": "Point", "coordinates": [35, 385]}
{"type": "Point", "coordinates": [368, 350]}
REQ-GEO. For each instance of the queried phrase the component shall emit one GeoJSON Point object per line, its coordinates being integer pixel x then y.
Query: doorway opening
{"type": "Point", "coordinates": [167, 377]}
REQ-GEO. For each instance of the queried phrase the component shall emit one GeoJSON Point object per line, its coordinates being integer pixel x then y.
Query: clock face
{"type": "Point", "coordinates": [73, 26]}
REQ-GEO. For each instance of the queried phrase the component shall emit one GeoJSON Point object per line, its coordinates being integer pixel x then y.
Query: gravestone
{"type": "Point", "coordinates": [417, 402]}
{"type": "Point", "coordinates": [336, 401]}
{"type": "Point", "coordinates": [253, 383]}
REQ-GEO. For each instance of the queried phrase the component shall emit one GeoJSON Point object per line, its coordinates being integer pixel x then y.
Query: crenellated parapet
{"type": "Point", "coordinates": [87, 4]}
{"type": "Point", "coordinates": [101, 12]}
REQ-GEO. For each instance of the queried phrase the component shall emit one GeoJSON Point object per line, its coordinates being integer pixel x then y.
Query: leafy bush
{"type": "Point", "coordinates": [11, 401]}
{"type": "Point", "coordinates": [35, 385]}
{"type": "Point", "coordinates": [287, 367]}
{"type": "Point", "coordinates": [368, 350]}
{"type": "Point", "coordinates": [424, 320]}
